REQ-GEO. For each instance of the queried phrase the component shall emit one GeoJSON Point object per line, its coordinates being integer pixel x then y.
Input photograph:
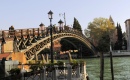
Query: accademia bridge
{"type": "Point", "coordinates": [32, 41]}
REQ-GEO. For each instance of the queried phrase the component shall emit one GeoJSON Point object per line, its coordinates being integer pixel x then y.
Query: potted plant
{"type": "Point", "coordinates": [60, 65]}
{"type": "Point", "coordinates": [74, 64]}
{"type": "Point", "coordinates": [33, 67]}
{"type": "Point", "coordinates": [15, 71]}
{"type": "Point", "coordinates": [82, 62]}
{"type": "Point", "coordinates": [49, 67]}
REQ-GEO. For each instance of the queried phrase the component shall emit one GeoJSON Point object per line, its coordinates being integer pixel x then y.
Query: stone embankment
{"type": "Point", "coordinates": [120, 53]}
{"type": "Point", "coordinates": [116, 53]}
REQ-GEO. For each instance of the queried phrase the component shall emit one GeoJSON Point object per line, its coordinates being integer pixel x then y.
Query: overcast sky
{"type": "Point", "coordinates": [30, 13]}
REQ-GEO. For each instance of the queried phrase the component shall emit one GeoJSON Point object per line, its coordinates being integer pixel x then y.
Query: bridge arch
{"type": "Point", "coordinates": [43, 43]}
{"type": "Point", "coordinates": [33, 41]}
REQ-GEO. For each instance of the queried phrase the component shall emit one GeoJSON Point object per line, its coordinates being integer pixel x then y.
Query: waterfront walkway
{"type": "Point", "coordinates": [117, 53]}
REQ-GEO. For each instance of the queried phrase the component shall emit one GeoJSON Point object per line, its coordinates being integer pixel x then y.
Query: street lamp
{"type": "Point", "coordinates": [60, 25]}
{"type": "Point", "coordinates": [50, 16]}
{"type": "Point", "coordinates": [42, 29]}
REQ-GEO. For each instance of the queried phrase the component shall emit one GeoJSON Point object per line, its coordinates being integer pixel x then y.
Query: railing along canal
{"type": "Point", "coordinates": [55, 72]}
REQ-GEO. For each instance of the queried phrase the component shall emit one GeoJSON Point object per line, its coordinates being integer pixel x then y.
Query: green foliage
{"type": "Point", "coordinates": [104, 43]}
{"type": "Point", "coordinates": [118, 44]}
{"type": "Point", "coordinates": [15, 71]}
{"type": "Point", "coordinates": [34, 67]}
{"type": "Point", "coordinates": [50, 67]}
{"type": "Point", "coordinates": [97, 28]}
{"type": "Point", "coordinates": [55, 61]}
{"type": "Point", "coordinates": [40, 66]}
{"type": "Point", "coordinates": [119, 33]}
{"type": "Point", "coordinates": [76, 25]}
{"type": "Point", "coordinates": [74, 63]}
{"type": "Point", "coordinates": [124, 42]}
{"type": "Point", "coordinates": [36, 64]}
{"type": "Point", "coordinates": [60, 63]}
{"type": "Point", "coordinates": [45, 51]}
{"type": "Point", "coordinates": [31, 62]}
{"type": "Point", "coordinates": [82, 62]}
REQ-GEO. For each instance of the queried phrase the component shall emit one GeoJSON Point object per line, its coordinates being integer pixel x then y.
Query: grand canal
{"type": "Point", "coordinates": [121, 68]}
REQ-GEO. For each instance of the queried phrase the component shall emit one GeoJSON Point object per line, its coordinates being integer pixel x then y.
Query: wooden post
{"type": "Point", "coordinates": [101, 66]}
{"type": "Point", "coordinates": [111, 62]}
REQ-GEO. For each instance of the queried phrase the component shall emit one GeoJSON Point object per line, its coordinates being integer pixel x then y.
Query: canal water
{"type": "Point", "coordinates": [121, 67]}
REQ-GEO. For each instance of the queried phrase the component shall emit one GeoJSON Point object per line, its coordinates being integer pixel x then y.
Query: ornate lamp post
{"type": "Point", "coordinates": [42, 29]}
{"type": "Point", "coordinates": [50, 16]}
{"type": "Point", "coordinates": [60, 25]}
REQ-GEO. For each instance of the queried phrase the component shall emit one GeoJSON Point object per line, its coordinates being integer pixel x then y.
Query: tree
{"type": "Point", "coordinates": [76, 25]}
{"type": "Point", "coordinates": [104, 43]}
{"type": "Point", "coordinates": [119, 31]}
{"type": "Point", "coordinates": [119, 43]}
{"type": "Point", "coordinates": [119, 37]}
{"type": "Point", "coordinates": [103, 46]}
{"type": "Point", "coordinates": [101, 30]}
{"type": "Point", "coordinates": [124, 41]}
{"type": "Point", "coordinates": [98, 27]}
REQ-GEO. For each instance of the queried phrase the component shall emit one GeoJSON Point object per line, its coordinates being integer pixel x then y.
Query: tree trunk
{"type": "Point", "coordinates": [101, 66]}
{"type": "Point", "coordinates": [111, 62]}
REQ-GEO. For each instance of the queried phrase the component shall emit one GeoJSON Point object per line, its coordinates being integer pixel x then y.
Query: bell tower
{"type": "Point", "coordinates": [111, 20]}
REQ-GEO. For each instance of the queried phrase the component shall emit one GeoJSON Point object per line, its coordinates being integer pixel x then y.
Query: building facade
{"type": "Point", "coordinates": [127, 25]}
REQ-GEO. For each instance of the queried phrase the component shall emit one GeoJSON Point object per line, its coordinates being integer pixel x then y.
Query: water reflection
{"type": "Point", "coordinates": [121, 68]}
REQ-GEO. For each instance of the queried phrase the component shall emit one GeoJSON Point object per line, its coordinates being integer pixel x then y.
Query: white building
{"type": "Point", "coordinates": [127, 25]}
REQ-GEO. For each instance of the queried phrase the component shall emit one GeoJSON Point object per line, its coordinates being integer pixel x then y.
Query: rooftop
{"type": "Point", "coordinates": [4, 55]}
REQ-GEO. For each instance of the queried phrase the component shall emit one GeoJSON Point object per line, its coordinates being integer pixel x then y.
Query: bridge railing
{"type": "Point", "coordinates": [36, 32]}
